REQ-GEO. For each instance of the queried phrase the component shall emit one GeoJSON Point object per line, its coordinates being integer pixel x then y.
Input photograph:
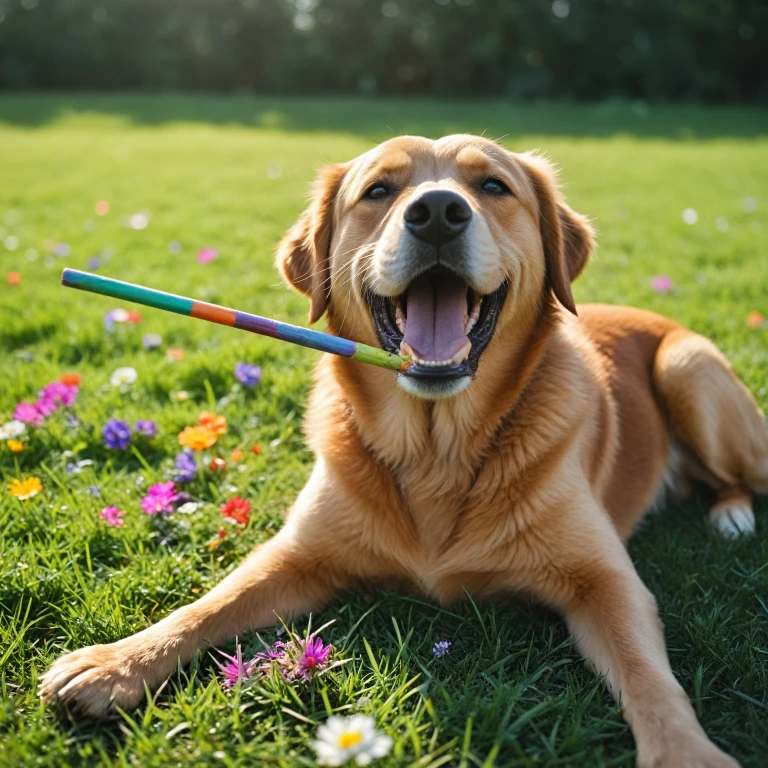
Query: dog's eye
{"type": "Point", "coordinates": [495, 187]}
{"type": "Point", "coordinates": [376, 191]}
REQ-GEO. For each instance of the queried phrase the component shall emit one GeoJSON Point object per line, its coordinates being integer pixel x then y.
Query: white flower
{"type": "Point", "coordinates": [12, 429]}
{"type": "Point", "coordinates": [123, 376]}
{"type": "Point", "coordinates": [340, 739]}
{"type": "Point", "coordinates": [690, 216]}
{"type": "Point", "coordinates": [188, 508]}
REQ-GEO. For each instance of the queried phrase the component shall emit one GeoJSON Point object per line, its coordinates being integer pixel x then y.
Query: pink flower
{"type": "Point", "coordinates": [28, 414]}
{"type": "Point", "coordinates": [160, 498]}
{"type": "Point", "coordinates": [661, 284]}
{"type": "Point", "coordinates": [112, 516]}
{"type": "Point", "coordinates": [207, 255]}
{"type": "Point", "coordinates": [298, 659]}
{"type": "Point", "coordinates": [45, 406]}
{"type": "Point", "coordinates": [236, 670]}
{"type": "Point", "coordinates": [313, 655]}
{"type": "Point", "coordinates": [62, 394]}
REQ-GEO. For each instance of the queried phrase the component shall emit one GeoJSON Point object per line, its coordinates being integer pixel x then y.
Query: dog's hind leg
{"type": "Point", "coordinates": [716, 418]}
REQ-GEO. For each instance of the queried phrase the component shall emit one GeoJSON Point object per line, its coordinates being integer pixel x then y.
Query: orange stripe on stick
{"type": "Point", "coordinates": [213, 313]}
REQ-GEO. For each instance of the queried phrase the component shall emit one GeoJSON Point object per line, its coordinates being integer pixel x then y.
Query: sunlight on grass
{"type": "Point", "coordinates": [231, 173]}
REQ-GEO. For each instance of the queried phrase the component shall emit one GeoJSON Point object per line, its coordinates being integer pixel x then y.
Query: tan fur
{"type": "Point", "coordinates": [527, 482]}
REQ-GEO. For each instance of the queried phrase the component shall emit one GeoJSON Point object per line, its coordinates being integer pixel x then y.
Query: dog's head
{"type": "Point", "coordinates": [431, 248]}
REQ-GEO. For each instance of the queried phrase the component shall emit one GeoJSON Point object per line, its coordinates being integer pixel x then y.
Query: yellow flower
{"type": "Point", "coordinates": [197, 438]}
{"type": "Point", "coordinates": [217, 424]}
{"type": "Point", "coordinates": [16, 446]}
{"type": "Point", "coordinates": [25, 489]}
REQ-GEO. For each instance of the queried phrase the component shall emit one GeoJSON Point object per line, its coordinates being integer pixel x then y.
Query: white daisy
{"type": "Point", "coordinates": [12, 429]}
{"type": "Point", "coordinates": [340, 739]}
{"type": "Point", "coordinates": [123, 376]}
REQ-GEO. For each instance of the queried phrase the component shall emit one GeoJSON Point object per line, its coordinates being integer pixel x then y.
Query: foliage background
{"type": "Point", "coordinates": [583, 49]}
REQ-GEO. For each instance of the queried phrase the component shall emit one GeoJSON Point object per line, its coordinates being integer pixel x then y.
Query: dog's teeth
{"type": "Point", "coordinates": [400, 319]}
{"type": "Point", "coordinates": [462, 354]}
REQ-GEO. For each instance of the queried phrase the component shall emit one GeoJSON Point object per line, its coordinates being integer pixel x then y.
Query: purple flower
{"type": "Point", "coordinates": [112, 516]}
{"type": "Point", "coordinates": [235, 670]}
{"type": "Point", "coordinates": [186, 467]}
{"type": "Point", "coordinates": [313, 655]}
{"type": "Point", "coordinates": [116, 434]}
{"type": "Point", "coordinates": [248, 374]}
{"type": "Point", "coordinates": [151, 341]}
{"type": "Point", "coordinates": [297, 659]}
{"type": "Point", "coordinates": [27, 413]}
{"type": "Point", "coordinates": [114, 316]}
{"type": "Point", "coordinates": [160, 498]}
{"type": "Point", "coordinates": [94, 491]}
{"type": "Point", "coordinates": [61, 394]}
{"type": "Point", "coordinates": [442, 648]}
{"type": "Point", "coordinates": [94, 263]}
{"type": "Point", "coordinates": [146, 427]}
{"type": "Point", "coordinates": [277, 651]}
{"type": "Point", "coordinates": [45, 406]}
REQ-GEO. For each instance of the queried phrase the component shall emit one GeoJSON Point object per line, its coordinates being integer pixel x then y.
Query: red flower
{"type": "Point", "coordinates": [217, 465]}
{"type": "Point", "coordinates": [237, 510]}
{"type": "Point", "coordinates": [133, 317]}
{"type": "Point", "coordinates": [256, 449]}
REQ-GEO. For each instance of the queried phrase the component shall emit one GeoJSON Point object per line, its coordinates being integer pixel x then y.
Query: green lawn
{"type": "Point", "coordinates": [231, 174]}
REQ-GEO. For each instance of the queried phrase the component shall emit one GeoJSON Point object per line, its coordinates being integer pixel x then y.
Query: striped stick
{"type": "Point", "coordinates": [213, 313]}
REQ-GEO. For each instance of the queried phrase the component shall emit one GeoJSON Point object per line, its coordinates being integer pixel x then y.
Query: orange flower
{"type": "Point", "coordinates": [16, 446]}
{"type": "Point", "coordinates": [13, 278]}
{"type": "Point", "coordinates": [217, 424]}
{"type": "Point", "coordinates": [754, 320]}
{"type": "Point", "coordinates": [218, 465]}
{"type": "Point", "coordinates": [236, 455]}
{"type": "Point", "coordinates": [70, 379]}
{"type": "Point", "coordinates": [25, 489]}
{"type": "Point", "coordinates": [175, 353]}
{"type": "Point", "coordinates": [237, 510]}
{"type": "Point", "coordinates": [256, 449]}
{"type": "Point", "coordinates": [197, 438]}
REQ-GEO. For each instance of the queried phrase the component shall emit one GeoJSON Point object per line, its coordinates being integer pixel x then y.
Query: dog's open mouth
{"type": "Point", "coordinates": [439, 321]}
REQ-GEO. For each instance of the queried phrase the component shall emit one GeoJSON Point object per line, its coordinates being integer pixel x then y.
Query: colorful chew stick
{"type": "Point", "coordinates": [73, 278]}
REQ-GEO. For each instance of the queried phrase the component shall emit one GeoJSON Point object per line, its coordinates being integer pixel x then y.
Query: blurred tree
{"type": "Point", "coordinates": [582, 49]}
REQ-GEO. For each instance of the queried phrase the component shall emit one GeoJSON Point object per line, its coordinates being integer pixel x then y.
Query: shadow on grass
{"type": "Point", "coordinates": [377, 119]}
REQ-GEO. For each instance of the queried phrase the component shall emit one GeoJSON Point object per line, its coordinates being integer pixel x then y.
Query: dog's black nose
{"type": "Point", "coordinates": [438, 216]}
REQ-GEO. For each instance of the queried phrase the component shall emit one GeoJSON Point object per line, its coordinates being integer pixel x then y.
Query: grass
{"type": "Point", "coordinates": [231, 173]}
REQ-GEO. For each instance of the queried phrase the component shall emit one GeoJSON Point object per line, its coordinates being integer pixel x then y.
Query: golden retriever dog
{"type": "Point", "coordinates": [516, 455]}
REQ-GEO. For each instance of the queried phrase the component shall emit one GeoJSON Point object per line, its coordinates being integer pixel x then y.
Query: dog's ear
{"type": "Point", "coordinates": [567, 236]}
{"type": "Point", "coordinates": [303, 253]}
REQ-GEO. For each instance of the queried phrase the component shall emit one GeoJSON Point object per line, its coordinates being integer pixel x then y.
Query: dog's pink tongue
{"type": "Point", "coordinates": [435, 312]}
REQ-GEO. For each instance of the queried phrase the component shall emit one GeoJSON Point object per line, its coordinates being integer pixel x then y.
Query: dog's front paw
{"type": "Point", "coordinates": [690, 749]}
{"type": "Point", "coordinates": [94, 681]}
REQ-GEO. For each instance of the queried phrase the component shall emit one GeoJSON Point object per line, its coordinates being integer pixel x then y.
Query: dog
{"type": "Point", "coordinates": [516, 454]}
